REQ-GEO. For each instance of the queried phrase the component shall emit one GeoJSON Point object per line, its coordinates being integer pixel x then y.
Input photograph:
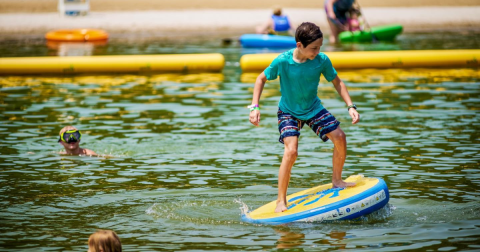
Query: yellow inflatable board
{"type": "Point", "coordinates": [379, 59]}
{"type": "Point", "coordinates": [323, 203]}
{"type": "Point", "coordinates": [113, 64]}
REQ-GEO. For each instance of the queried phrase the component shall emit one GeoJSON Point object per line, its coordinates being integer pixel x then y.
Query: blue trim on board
{"type": "Point", "coordinates": [381, 185]}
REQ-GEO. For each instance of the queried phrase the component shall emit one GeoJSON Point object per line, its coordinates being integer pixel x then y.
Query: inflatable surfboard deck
{"type": "Point", "coordinates": [380, 33]}
{"type": "Point", "coordinates": [324, 203]}
{"type": "Point", "coordinates": [266, 41]}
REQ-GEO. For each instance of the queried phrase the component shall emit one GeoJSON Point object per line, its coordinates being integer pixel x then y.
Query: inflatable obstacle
{"type": "Point", "coordinates": [377, 33]}
{"type": "Point", "coordinates": [113, 64]}
{"type": "Point", "coordinates": [267, 41]}
{"type": "Point", "coordinates": [77, 35]}
{"type": "Point", "coordinates": [379, 59]}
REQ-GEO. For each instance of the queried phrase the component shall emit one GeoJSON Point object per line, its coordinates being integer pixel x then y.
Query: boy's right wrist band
{"type": "Point", "coordinates": [253, 107]}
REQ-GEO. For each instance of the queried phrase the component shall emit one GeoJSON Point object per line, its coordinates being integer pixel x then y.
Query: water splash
{"type": "Point", "coordinates": [151, 210]}
{"type": "Point", "coordinates": [380, 215]}
{"type": "Point", "coordinates": [196, 210]}
{"type": "Point", "coordinates": [243, 206]}
{"type": "Point", "coordinates": [111, 154]}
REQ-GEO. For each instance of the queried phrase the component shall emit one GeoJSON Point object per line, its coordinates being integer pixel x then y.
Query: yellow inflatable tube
{"type": "Point", "coordinates": [379, 59]}
{"type": "Point", "coordinates": [113, 64]}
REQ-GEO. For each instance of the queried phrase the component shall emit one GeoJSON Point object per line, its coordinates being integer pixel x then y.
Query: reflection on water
{"type": "Point", "coordinates": [74, 48]}
{"type": "Point", "coordinates": [415, 75]}
{"type": "Point", "coordinates": [288, 239]}
{"type": "Point", "coordinates": [183, 160]}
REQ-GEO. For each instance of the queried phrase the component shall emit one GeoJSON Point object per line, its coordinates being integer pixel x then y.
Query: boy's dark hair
{"type": "Point", "coordinates": [307, 33]}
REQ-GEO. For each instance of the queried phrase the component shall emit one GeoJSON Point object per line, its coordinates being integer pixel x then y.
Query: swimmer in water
{"type": "Point", "coordinates": [70, 139]}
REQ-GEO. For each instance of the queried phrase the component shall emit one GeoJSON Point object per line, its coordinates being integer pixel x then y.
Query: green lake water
{"type": "Point", "coordinates": [180, 160]}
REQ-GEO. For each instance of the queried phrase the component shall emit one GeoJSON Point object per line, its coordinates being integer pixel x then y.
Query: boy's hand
{"type": "Point", "coordinates": [255, 117]}
{"type": "Point", "coordinates": [355, 115]}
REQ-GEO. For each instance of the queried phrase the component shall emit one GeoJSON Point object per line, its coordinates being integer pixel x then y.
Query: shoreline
{"type": "Point", "coordinates": [231, 21]}
{"type": "Point", "coordinates": [44, 6]}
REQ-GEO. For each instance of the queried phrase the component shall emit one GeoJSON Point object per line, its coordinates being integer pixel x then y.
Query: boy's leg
{"type": "Point", "coordinates": [339, 155]}
{"type": "Point", "coordinates": [289, 157]}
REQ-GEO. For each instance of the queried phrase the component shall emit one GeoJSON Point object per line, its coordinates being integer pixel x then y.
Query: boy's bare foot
{"type": "Point", "coordinates": [281, 207]}
{"type": "Point", "coordinates": [342, 184]}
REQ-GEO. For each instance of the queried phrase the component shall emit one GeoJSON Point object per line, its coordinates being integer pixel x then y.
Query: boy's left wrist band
{"type": "Point", "coordinates": [352, 106]}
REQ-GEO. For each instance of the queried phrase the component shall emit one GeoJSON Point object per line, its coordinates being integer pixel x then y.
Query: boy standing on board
{"type": "Point", "coordinates": [299, 70]}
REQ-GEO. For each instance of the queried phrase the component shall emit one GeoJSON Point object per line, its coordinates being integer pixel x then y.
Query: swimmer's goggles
{"type": "Point", "coordinates": [71, 136]}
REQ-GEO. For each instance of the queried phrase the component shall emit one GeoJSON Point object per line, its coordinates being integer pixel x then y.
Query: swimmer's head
{"type": "Point", "coordinates": [69, 134]}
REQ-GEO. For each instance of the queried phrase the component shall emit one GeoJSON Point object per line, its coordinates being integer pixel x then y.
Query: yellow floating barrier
{"type": "Point", "coordinates": [379, 59]}
{"type": "Point", "coordinates": [213, 62]}
{"type": "Point", "coordinates": [391, 75]}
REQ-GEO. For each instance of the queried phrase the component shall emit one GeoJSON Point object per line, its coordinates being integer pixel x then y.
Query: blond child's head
{"type": "Point", "coordinates": [104, 241]}
{"type": "Point", "coordinates": [66, 128]}
{"type": "Point", "coordinates": [70, 138]}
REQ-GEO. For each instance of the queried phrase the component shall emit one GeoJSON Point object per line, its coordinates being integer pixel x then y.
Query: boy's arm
{"type": "Point", "coordinates": [343, 92]}
{"type": "Point", "coordinates": [257, 92]}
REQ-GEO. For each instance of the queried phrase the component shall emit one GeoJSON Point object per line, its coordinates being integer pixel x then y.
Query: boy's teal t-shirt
{"type": "Point", "coordinates": [299, 83]}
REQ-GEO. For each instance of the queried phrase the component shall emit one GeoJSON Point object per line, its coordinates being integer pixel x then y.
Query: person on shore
{"type": "Point", "coordinates": [299, 70]}
{"type": "Point", "coordinates": [104, 241]}
{"type": "Point", "coordinates": [278, 24]}
{"type": "Point", "coordinates": [337, 17]}
{"type": "Point", "coordinates": [70, 139]}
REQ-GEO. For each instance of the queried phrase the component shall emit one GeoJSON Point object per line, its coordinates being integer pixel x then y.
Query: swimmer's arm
{"type": "Point", "coordinates": [90, 152]}
{"type": "Point", "coordinates": [343, 92]}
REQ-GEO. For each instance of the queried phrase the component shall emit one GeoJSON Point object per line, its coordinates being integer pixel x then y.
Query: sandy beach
{"type": "Point", "coordinates": [35, 17]}
{"type": "Point", "coordinates": [29, 6]}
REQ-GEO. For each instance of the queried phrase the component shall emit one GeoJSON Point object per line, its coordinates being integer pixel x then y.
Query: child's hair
{"type": "Point", "coordinates": [307, 33]}
{"type": "Point", "coordinates": [355, 11]}
{"type": "Point", "coordinates": [104, 241]}
{"type": "Point", "coordinates": [66, 128]}
{"type": "Point", "coordinates": [277, 11]}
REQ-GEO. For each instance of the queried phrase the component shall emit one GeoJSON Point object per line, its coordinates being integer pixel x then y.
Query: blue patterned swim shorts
{"type": "Point", "coordinates": [322, 124]}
